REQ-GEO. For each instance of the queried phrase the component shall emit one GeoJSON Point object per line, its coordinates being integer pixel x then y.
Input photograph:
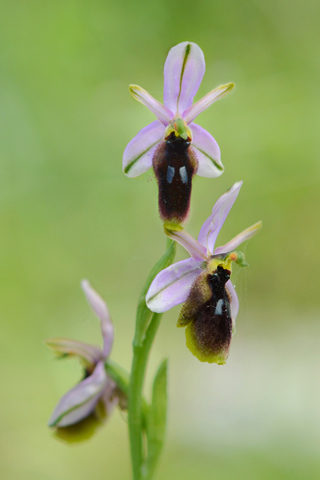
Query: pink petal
{"type": "Point", "coordinates": [95, 301]}
{"type": "Point", "coordinates": [212, 226]}
{"type": "Point", "coordinates": [207, 152]}
{"type": "Point", "coordinates": [64, 346]}
{"type": "Point", "coordinates": [137, 157]}
{"type": "Point", "coordinates": [161, 112]}
{"type": "Point", "coordinates": [101, 310]}
{"type": "Point", "coordinates": [194, 110]}
{"type": "Point", "coordinates": [240, 238]}
{"type": "Point", "coordinates": [183, 73]}
{"type": "Point", "coordinates": [81, 400]}
{"type": "Point", "coordinates": [234, 303]}
{"type": "Point", "coordinates": [196, 250]}
{"type": "Point", "coordinates": [172, 285]}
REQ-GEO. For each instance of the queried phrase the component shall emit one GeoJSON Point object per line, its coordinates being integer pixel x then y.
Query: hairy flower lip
{"type": "Point", "coordinates": [183, 73]}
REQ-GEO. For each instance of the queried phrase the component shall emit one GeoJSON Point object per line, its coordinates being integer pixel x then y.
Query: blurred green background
{"type": "Point", "coordinates": [67, 212]}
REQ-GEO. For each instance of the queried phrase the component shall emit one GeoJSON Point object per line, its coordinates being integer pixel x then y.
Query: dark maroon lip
{"type": "Point", "coordinates": [174, 164]}
{"type": "Point", "coordinates": [207, 309]}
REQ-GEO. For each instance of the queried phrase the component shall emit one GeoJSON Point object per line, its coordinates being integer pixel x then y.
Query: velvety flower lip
{"type": "Point", "coordinates": [203, 284]}
{"type": "Point", "coordinates": [183, 73]}
{"type": "Point", "coordinates": [79, 402]}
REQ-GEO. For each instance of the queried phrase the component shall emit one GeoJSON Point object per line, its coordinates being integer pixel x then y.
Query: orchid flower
{"type": "Point", "coordinates": [203, 284]}
{"type": "Point", "coordinates": [96, 388]}
{"type": "Point", "coordinates": [174, 145]}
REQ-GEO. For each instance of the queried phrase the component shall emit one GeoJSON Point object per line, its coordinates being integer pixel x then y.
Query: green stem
{"type": "Point", "coordinates": [122, 379]}
{"type": "Point", "coordinates": [139, 364]}
{"type": "Point", "coordinates": [142, 344]}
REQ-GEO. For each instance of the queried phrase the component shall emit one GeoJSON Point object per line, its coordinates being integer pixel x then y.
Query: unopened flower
{"type": "Point", "coordinates": [96, 390]}
{"type": "Point", "coordinates": [203, 284]}
{"type": "Point", "coordinates": [176, 147]}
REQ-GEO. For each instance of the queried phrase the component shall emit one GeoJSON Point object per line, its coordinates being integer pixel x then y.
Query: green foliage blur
{"type": "Point", "coordinates": [67, 212]}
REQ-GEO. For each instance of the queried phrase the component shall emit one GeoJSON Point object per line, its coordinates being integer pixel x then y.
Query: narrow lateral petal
{"type": "Point", "coordinates": [240, 238]}
{"type": "Point", "coordinates": [194, 110]}
{"type": "Point", "coordinates": [81, 400]}
{"type": "Point", "coordinates": [196, 250]}
{"type": "Point", "coordinates": [101, 310]}
{"type": "Point", "coordinates": [207, 152]}
{"type": "Point", "coordinates": [212, 226]}
{"type": "Point", "coordinates": [90, 354]}
{"type": "Point", "coordinates": [183, 73]}
{"type": "Point", "coordinates": [137, 157]}
{"type": "Point", "coordinates": [172, 285]}
{"type": "Point", "coordinates": [163, 114]}
{"type": "Point", "coordinates": [234, 302]}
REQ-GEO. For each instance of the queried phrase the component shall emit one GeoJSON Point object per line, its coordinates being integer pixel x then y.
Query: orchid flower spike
{"type": "Point", "coordinates": [96, 390]}
{"type": "Point", "coordinates": [203, 284]}
{"type": "Point", "coordinates": [176, 147]}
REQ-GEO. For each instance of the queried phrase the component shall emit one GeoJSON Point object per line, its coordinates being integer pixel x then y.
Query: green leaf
{"type": "Point", "coordinates": [156, 420]}
{"type": "Point", "coordinates": [143, 312]}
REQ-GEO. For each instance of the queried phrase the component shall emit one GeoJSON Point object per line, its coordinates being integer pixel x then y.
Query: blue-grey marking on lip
{"type": "Point", "coordinates": [170, 174]}
{"type": "Point", "coordinates": [183, 174]}
{"type": "Point", "coordinates": [219, 307]}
